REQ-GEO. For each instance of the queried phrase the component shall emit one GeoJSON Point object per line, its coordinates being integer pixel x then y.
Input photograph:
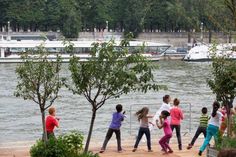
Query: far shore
{"type": "Point", "coordinates": [21, 149]}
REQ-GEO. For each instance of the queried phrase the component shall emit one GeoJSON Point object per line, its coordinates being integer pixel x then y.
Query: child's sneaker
{"type": "Point", "coordinates": [180, 148]}
{"type": "Point", "coordinates": [200, 153]}
{"type": "Point", "coordinates": [120, 151]}
{"type": "Point", "coordinates": [134, 150]}
{"type": "Point", "coordinates": [102, 151]}
{"type": "Point", "coordinates": [165, 153]}
{"type": "Point", "coordinates": [170, 151]}
{"type": "Point", "coordinates": [189, 146]}
{"type": "Point", "coordinates": [150, 150]}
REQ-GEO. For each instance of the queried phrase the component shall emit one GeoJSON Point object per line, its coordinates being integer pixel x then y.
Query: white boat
{"type": "Point", "coordinates": [174, 53]}
{"type": "Point", "coordinates": [204, 52]}
{"type": "Point", "coordinates": [11, 50]}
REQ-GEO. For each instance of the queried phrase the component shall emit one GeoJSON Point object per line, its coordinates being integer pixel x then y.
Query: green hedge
{"type": "Point", "coordinates": [68, 145]}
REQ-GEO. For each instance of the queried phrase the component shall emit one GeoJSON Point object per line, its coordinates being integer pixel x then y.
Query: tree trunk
{"type": "Point", "coordinates": [189, 37]}
{"type": "Point", "coordinates": [228, 110]}
{"type": "Point", "coordinates": [210, 36]}
{"type": "Point", "coordinates": [90, 130]}
{"type": "Point", "coordinates": [230, 37]}
{"type": "Point", "coordinates": [45, 138]}
{"type": "Point", "coordinates": [229, 125]}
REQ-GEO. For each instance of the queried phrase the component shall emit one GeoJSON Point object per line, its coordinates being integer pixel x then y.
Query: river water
{"type": "Point", "coordinates": [20, 120]}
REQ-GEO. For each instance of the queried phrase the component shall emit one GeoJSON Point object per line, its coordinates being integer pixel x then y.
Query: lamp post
{"type": "Point", "coordinates": [107, 26]}
{"type": "Point", "coordinates": [8, 30]}
{"type": "Point", "coordinates": [201, 27]}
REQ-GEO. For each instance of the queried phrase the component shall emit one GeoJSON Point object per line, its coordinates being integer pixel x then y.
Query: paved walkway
{"type": "Point", "coordinates": [22, 149]}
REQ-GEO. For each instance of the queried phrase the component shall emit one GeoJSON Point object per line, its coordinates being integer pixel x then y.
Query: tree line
{"type": "Point", "coordinates": [73, 16]}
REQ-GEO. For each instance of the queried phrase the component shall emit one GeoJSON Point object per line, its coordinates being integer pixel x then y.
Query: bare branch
{"type": "Point", "coordinates": [87, 97]}
{"type": "Point", "coordinates": [98, 92]}
{"type": "Point", "coordinates": [51, 102]}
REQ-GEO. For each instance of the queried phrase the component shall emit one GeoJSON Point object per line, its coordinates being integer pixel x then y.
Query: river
{"type": "Point", "coordinates": [20, 120]}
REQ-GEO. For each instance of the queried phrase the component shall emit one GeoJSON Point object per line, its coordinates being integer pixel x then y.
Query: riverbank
{"type": "Point", "coordinates": [21, 149]}
{"type": "Point", "coordinates": [177, 39]}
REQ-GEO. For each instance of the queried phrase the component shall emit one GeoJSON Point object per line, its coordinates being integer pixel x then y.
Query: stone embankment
{"type": "Point", "coordinates": [177, 39]}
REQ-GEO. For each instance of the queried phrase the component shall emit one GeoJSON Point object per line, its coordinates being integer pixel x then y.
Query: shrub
{"type": "Point", "coordinates": [228, 142]}
{"type": "Point", "coordinates": [73, 141]}
{"type": "Point", "coordinates": [225, 143]}
{"type": "Point", "coordinates": [68, 145]}
{"type": "Point", "coordinates": [53, 148]}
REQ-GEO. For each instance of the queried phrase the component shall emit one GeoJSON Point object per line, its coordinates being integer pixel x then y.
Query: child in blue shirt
{"type": "Point", "coordinates": [117, 118]}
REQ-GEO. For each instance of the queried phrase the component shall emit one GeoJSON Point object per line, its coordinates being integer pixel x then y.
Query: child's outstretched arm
{"type": "Point", "coordinates": [161, 123]}
{"type": "Point", "coordinates": [150, 116]}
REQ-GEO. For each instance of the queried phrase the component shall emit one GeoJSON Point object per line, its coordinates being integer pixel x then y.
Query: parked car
{"type": "Point", "coordinates": [182, 50]}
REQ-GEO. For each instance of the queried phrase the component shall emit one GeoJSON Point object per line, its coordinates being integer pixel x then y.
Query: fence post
{"type": "Point", "coordinates": [130, 118]}
{"type": "Point", "coordinates": [190, 118]}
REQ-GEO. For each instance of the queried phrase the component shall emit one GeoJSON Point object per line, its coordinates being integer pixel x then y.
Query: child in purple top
{"type": "Point", "coordinates": [165, 124]}
{"type": "Point", "coordinates": [115, 125]}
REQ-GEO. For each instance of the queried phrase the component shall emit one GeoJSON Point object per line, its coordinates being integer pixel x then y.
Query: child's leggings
{"type": "Point", "coordinates": [164, 142]}
{"type": "Point", "coordinates": [212, 130]}
{"type": "Point", "coordinates": [142, 131]}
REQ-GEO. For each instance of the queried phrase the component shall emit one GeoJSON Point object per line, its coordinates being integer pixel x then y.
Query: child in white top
{"type": "Point", "coordinates": [213, 126]}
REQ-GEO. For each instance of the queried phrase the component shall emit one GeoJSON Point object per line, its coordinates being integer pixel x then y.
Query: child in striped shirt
{"type": "Point", "coordinates": [201, 128]}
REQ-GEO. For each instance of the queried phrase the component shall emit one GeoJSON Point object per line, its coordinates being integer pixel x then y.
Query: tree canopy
{"type": "Point", "coordinates": [73, 16]}
{"type": "Point", "coordinates": [110, 73]}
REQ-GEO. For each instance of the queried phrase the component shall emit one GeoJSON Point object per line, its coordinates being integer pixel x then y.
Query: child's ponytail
{"type": "Point", "coordinates": [142, 113]}
{"type": "Point", "coordinates": [216, 106]}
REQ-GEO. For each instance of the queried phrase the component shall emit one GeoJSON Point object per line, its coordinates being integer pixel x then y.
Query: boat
{"type": "Point", "coordinates": [205, 52]}
{"type": "Point", "coordinates": [11, 49]}
{"type": "Point", "coordinates": [174, 53]}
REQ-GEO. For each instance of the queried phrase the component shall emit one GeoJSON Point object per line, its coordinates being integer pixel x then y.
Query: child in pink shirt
{"type": "Point", "coordinates": [176, 115]}
{"type": "Point", "coordinates": [165, 124]}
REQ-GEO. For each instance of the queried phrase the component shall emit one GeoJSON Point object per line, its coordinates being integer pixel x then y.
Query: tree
{"type": "Point", "coordinates": [70, 18]}
{"type": "Point", "coordinates": [231, 5]}
{"type": "Point", "coordinates": [223, 83]}
{"type": "Point", "coordinates": [109, 74]}
{"type": "Point", "coordinates": [39, 81]}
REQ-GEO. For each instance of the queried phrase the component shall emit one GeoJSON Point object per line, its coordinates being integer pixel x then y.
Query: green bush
{"type": "Point", "coordinates": [53, 148]}
{"type": "Point", "coordinates": [228, 142]}
{"type": "Point", "coordinates": [68, 145]}
{"type": "Point", "coordinates": [225, 142]}
{"type": "Point", "coordinates": [73, 141]}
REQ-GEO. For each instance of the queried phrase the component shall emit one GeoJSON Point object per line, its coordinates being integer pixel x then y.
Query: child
{"type": "Point", "coordinates": [201, 128]}
{"type": "Point", "coordinates": [223, 125]}
{"type": "Point", "coordinates": [176, 115]}
{"type": "Point", "coordinates": [213, 126]}
{"type": "Point", "coordinates": [224, 120]}
{"type": "Point", "coordinates": [51, 122]}
{"type": "Point", "coordinates": [165, 106]}
{"type": "Point", "coordinates": [115, 125]}
{"type": "Point", "coordinates": [165, 124]}
{"type": "Point", "coordinates": [143, 118]}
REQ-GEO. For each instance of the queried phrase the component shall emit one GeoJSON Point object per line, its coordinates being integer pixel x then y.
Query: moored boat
{"type": "Point", "coordinates": [204, 52]}
{"type": "Point", "coordinates": [11, 50]}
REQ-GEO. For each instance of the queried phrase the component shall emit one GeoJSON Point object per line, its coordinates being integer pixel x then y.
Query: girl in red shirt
{"type": "Point", "coordinates": [176, 115]}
